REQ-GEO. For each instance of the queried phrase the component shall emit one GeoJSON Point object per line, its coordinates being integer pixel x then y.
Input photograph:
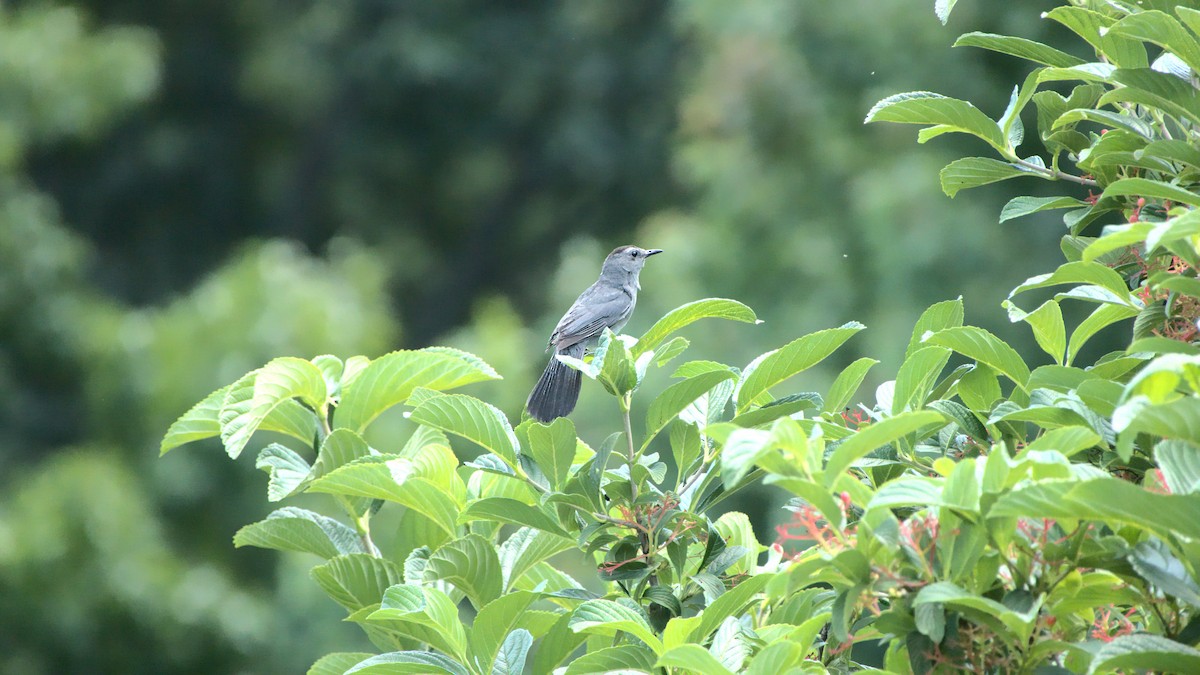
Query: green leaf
{"type": "Point", "coordinates": [966, 420]}
{"type": "Point", "coordinates": [1186, 226]}
{"type": "Point", "coordinates": [1065, 440]}
{"type": "Point", "coordinates": [924, 107]}
{"type": "Point", "coordinates": [714, 308]}
{"type": "Point", "coordinates": [610, 660]}
{"type": "Point", "coordinates": [606, 617]}
{"type": "Point", "coordinates": [1019, 47]}
{"type": "Point", "coordinates": [525, 548]}
{"type": "Point", "coordinates": [337, 663]}
{"type": "Point", "coordinates": [917, 376]}
{"type": "Point", "coordinates": [471, 564]}
{"type": "Point", "coordinates": [847, 384]}
{"type": "Point", "coordinates": [731, 603]}
{"type": "Point", "coordinates": [1019, 626]}
{"type": "Point", "coordinates": [692, 658]}
{"type": "Point", "coordinates": [669, 350]}
{"type": "Point", "coordinates": [431, 613]}
{"type": "Point", "coordinates": [1154, 561]}
{"type": "Point", "coordinates": [617, 373]}
{"type": "Point", "coordinates": [875, 435]}
{"type": "Point", "coordinates": [287, 470]}
{"type": "Point", "coordinates": [980, 345]}
{"type": "Point", "coordinates": [505, 510]}
{"type": "Point", "coordinates": [293, 529]}
{"type": "Point", "coordinates": [1104, 499]}
{"type": "Point", "coordinates": [1148, 87]}
{"type": "Point", "coordinates": [1093, 27]}
{"type": "Point", "coordinates": [1115, 238]}
{"type": "Point", "coordinates": [1178, 419]}
{"type": "Point", "coordinates": [340, 447]}
{"type": "Point", "coordinates": [357, 580]}
{"type": "Point", "coordinates": [679, 396]}
{"type": "Point", "coordinates": [1163, 30]}
{"type": "Point", "coordinates": [970, 172]}
{"type": "Point", "coordinates": [1154, 189]}
{"type": "Point", "coordinates": [944, 314]}
{"type": "Point", "coordinates": [468, 417]}
{"type": "Point", "coordinates": [1048, 327]}
{"type": "Point", "coordinates": [513, 653]}
{"type": "Point", "coordinates": [1102, 317]}
{"type": "Point", "coordinates": [735, 528]}
{"type": "Point", "coordinates": [1110, 284]}
{"type": "Point", "coordinates": [1145, 652]}
{"type": "Point", "coordinates": [393, 479]}
{"type": "Point", "coordinates": [552, 446]}
{"type": "Point", "coordinates": [776, 366]}
{"type": "Point", "coordinates": [494, 624]}
{"type": "Point", "coordinates": [268, 392]}
{"type": "Point", "coordinates": [196, 424]}
{"type": "Point", "coordinates": [1024, 206]}
{"type": "Point", "coordinates": [779, 657]}
{"type": "Point", "coordinates": [402, 663]}
{"type": "Point", "coordinates": [390, 379]}
{"type": "Point", "coordinates": [1180, 465]}
{"type": "Point", "coordinates": [942, 9]}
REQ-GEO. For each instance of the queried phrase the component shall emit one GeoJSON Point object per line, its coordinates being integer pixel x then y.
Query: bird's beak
{"type": "Point", "coordinates": [653, 251]}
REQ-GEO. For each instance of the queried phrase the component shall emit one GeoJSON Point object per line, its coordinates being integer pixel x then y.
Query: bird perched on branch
{"type": "Point", "coordinates": [608, 303]}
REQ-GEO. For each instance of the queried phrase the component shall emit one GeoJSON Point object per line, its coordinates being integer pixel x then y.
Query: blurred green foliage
{"type": "Point", "coordinates": [188, 189]}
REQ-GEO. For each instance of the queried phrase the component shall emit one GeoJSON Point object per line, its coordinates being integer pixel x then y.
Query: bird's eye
{"type": "Point", "coordinates": [633, 253]}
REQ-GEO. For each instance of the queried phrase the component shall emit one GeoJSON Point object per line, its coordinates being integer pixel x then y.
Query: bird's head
{"type": "Point", "coordinates": [627, 260]}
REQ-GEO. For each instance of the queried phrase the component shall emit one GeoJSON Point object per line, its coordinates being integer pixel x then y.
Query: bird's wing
{"type": "Point", "coordinates": [605, 307]}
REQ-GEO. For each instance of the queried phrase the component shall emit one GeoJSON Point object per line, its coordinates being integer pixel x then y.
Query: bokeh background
{"type": "Point", "coordinates": [191, 188]}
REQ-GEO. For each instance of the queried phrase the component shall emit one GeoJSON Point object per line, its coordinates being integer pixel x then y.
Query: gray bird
{"type": "Point", "coordinates": [608, 303]}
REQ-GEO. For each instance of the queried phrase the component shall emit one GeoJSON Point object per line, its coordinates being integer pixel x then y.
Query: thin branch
{"type": "Point", "coordinates": [1055, 173]}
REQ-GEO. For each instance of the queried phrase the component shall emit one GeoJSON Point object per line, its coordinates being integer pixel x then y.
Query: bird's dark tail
{"type": "Point", "coordinates": [557, 390]}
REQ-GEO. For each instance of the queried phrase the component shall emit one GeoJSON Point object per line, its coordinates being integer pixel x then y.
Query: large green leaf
{"type": "Point", "coordinates": [1091, 273]}
{"type": "Point", "coordinates": [692, 658]}
{"type": "Point", "coordinates": [494, 623]}
{"type": "Point", "coordinates": [412, 661]}
{"type": "Point", "coordinates": [287, 470]}
{"type": "Point", "coordinates": [970, 172]}
{"type": "Point", "coordinates": [337, 663]}
{"type": "Point", "coordinates": [1024, 206]}
{"type": "Point", "coordinates": [924, 107]}
{"type": "Point", "coordinates": [393, 479]}
{"type": "Point", "coordinates": [429, 609]}
{"type": "Point", "coordinates": [1145, 652]}
{"type": "Point", "coordinates": [339, 448]}
{"type": "Point", "coordinates": [390, 379]}
{"type": "Point", "coordinates": [268, 393]}
{"type": "Point", "coordinates": [714, 308]}
{"type": "Point", "coordinates": [471, 564]}
{"type": "Point", "coordinates": [472, 419]}
{"type": "Point", "coordinates": [1144, 187]}
{"type": "Point", "coordinates": [1020, 47]}
{"type": "Point", "coordinates": [525, 549]}
{"type": "Point", "coordinates": [940, 315]}
{"type": "Point", "coordinates": [357, 580]}
{"type": "Point", "coordinates": [606, 617]}
{"type": "Point", "coordinates": [917, 376]}
{"type": "Point", "coordinates": [1180, 465]}
{"type": "Point", "coordinates": [847, 383]}
{"type": "Point", "coordinates": [1103, 316]}
{"type": "Point", "coordinates": [875, 435]}
{"type": "Point", "coordinates": [1104, 499]}
{"type": "Point", "coordinates": [1154, 89]}
{"type": "Point", "coordinates": [196, 424]}
{"type": "Point", "coordinates": [1163, 30]}
{"type": "Point", "coordinates": [553, 446]}
{"type": "Point", "coordinates": [505, 510]}
{"type": "Point", "coordinates": [1094, 27]}
{"type": "Point", "coordinates": [622, 659]}
{"type": "Point", "coordinates": [672, 401]}
{"type": "Point", "coordinates": [1019, 626]}
{"type": "Point", "coordinates": [293, 529]}
{"type": "Point", "coordinates": [980, 345]}
{"type": "Point", "coordinates": [1048, 328]}
{"type": "Point", "coordinates": [776, 366]}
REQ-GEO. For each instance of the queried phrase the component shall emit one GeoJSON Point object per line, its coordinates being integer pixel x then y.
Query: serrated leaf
{"type": "Point", "coordinates": [606, 617]}
{"type": "Point", "coordinates": [1163, 30]}
{"type": "Point", "coordinates": [264, 399]}
{"type": "Point", "coordinates": [924, 107]}
{"type": "Point", "coordinates": [415, 662]}
{"type": "Point", "coordinates": [709, 308]}
{"type": "Point", "coordinates": [391, 378]}
{"type": "Point", "coordinates": [392, 479]}
{"type": "Point", "coordinates": [505, 510]}
{"type": "Point", "coordinates": [429, 609]}
{"type": "Point", "coordinates": [471, 564]}
{"type": "Point", "coordinates": [468, 417]}
{"type": "Point", "coordinates": [302, 531]}
{"type": "Point", "coordinates": [514, 651]}
{"type": "Point", "coordinates": [494, 624]}
{"type": "Point", "coordinates": [1180, 465]}
{"type": "Point", "coordinates": [196, 424]}
{"type": "Point", "coordinates": [553, 446]}
{"type": "Point", "coordinates": [1094, 27]}
{"type": "Point", "coordinates": [357, 580]}
{"type": "Point", "coordinates": [1144, 187]}
{"type": "Point", "coordinates": [287, 470]}
{"type": "Point", "coordinates": [789, 360]}
{"type": "Point", "coordinates": [340, 447]}
{"type": "Point", "coordinates": [526, 548]}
